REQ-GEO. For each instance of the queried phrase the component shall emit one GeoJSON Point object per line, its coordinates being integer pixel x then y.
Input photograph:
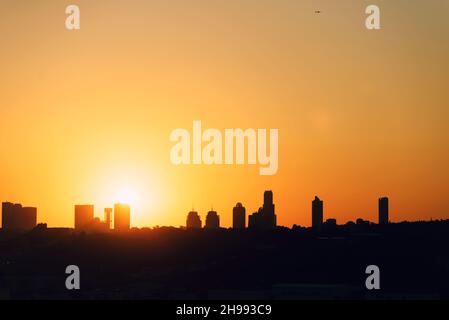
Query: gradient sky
{"type": "Point", "coordinates": [361, 114]}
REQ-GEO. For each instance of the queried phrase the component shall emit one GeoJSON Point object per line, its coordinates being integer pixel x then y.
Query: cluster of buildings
{"type": "Point", "coordinates": [317, 214]}
{"type": "Point", "coordinates": [18, 218]}
{"type": "Point", "coordinates": [85, 220]}
{"type": "Point", "coordinates": [15, 217]}
{"type": "Point", "coordinates": [264, 218]}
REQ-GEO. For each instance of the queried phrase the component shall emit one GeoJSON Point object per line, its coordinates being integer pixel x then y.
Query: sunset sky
{"type": "Point", "coordinates": [86, 115]}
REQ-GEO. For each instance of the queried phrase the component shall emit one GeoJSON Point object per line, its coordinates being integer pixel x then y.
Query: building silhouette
{"type": "Point", "coordinates": [193, 220]}
{"type": "Point", "coordinates": [212, 220]}
{"type": "Point", "coordinates": [317, 213]}
{"type": "Point", "coordinates": [383, 210]}
{"type": "Point", "coordinates": [239, 216]}
{"type": "Point", "coordinates": [84, 216]}
{"type": "Point", "coordinates": [18, 218]}
{"type": "Point", "coordinates": [28, 218]}
{"type": "Point", "coordinates": [265, 218]}
{"type": "Point", "coordinates": [108, 218]}
{"type": "Point", "coordinates": [86, 222]}
{"type": "Point", "coordinates": [122, 217]}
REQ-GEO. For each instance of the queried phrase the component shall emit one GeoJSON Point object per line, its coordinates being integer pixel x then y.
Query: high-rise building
{"type": "Point", "coordinates": [84, 216]}
{"type": "Point", "coordinates": [317, 213]}
{"type": "Point", "coordinates": [28, 218]}
{"type": "Point", "coordinates": [268, 199]}
{"type": "Point", "coordinates": [10, 211]}
{"type": "Point", "coordinates": [108, 218]}
{"type": "Point", "coordinates": [193, 220]}
{"type": "Point", "coordinates": [122, 217]}
{"type": "Point", "coordinates": [18, 218]}
{"type": "Point", "coordinates": [383, 210]}
{"type": "Point", "coordinates": [212, 220]}
{"type": "Point", "coordinates": [239, 216]}
{"type": "Point", "coordinates": [265, 218]}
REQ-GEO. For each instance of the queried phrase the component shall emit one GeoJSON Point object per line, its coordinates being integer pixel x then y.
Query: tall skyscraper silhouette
{"type": "Point", "coordinates": [108, 218]}
{"type": "Point", "coordinates": [122, 217]}
{"type": "Point", "coordinates": [265, 218]}
{"type": "Point", "coordinates": [383, 210]}
{"type": "Point", "coordinates": [212, 220]}
{"type": "Point", "coordinates": [317, 213]}
{"type": "Point", "coordinates": [84, 216]}
{"type": "Point", "coordinates": [239, 216]}
{"type": "Point", "coordinates": [193, 220]}
{"type": "Point", "coordinates": [18, 218]}
{"type": "Point", "coordinates": [28, 218]}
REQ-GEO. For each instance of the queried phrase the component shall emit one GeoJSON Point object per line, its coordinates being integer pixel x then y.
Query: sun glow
{"type": "Point", "coordinates": [127, 181]}
{"type": "Point", "coordinates": [128, 195]}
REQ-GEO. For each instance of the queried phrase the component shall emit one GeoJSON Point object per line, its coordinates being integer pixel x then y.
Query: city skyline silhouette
{"type": "Point", "coordinates": [16, 217]}
{"type": "Point", "coordinates": [327, 261]}
{"type": "Point", "coordinates": [87, 114]}
{"type": "Point", "coordinates": [224, 153]}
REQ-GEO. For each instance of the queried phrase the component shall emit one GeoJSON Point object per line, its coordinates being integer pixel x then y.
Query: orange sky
{"type": "Point", "coordinates": [361, 114]}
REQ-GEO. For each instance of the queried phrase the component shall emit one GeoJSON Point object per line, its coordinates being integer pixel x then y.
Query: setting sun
{"type": "Point", "coordinates": [128, 195]}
